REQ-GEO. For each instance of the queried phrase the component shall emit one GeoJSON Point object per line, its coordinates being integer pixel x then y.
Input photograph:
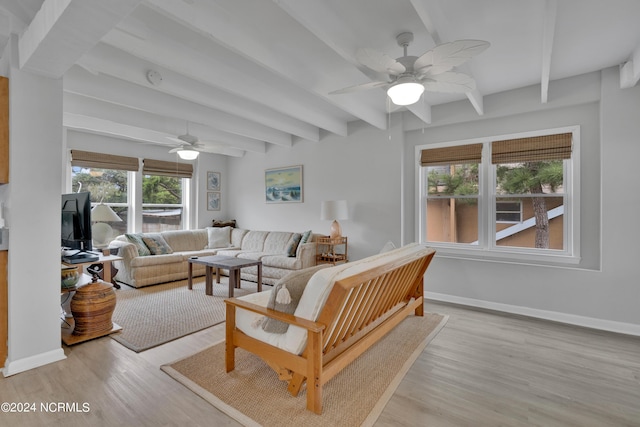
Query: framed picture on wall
{"type": "Point", "coordinates": [283, 185]}
{"type": "Point", "coordinates": [213, 181]}
{"type": "Point", "coordinates": [213, 201]}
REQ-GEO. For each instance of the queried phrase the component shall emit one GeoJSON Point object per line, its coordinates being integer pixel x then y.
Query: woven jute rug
{"type": "Point", "coordinates": [157, 314]}
{"type": "Point", "coordinates": [253, 395]}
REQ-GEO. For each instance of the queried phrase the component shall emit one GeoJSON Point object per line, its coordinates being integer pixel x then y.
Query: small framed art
{"type": "Point", "coordinates": [213, 181]}
{"type": "Point", "coordinates": [213, 201]}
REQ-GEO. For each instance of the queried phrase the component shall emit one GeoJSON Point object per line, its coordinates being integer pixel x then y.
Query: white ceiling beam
{"type": "Point", "coordinates": [422, 8]}
{"type": "Point", "coordinates": [168, 126]}
{"type": "Point", "coordinates": [630, 70]}
{"type": "Point", "coordinates": [117, 63]}
{"type": "Point", "coordinates": [160, 41]}
{"type": "Point", "coordinates": [110, 89]}
{"type": "Point", "coordinates": [64, 30]}
{"type": "Point", "coordinates": [422, 110]}
{"type": "Point", "coordinates": [548, 34]}
{"type": "Point", "coordinates": [100, 126]}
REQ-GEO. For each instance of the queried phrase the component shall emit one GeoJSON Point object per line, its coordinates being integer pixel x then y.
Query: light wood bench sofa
{"type": "Point", "coordinates": [343, 310]}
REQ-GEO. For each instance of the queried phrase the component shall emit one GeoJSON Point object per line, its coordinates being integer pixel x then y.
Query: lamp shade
{"type": "Point", "coordinates": [405, 91]}
{"type": "Point", "coordinates": [334, 209]}
{"type": "Point", "coordinates": [188, 154]}
{"type": "Point", "coordinates": [103, 213]}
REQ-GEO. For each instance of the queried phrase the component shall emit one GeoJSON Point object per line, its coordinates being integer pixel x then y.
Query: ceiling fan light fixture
{"type": "Point", "coordinates": [405, 91]}
{"type": "Point", "coordinates": [187, 154]}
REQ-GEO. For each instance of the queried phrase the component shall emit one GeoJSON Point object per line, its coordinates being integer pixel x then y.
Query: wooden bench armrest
{"type": "Point", "coordinates": [277, 315]}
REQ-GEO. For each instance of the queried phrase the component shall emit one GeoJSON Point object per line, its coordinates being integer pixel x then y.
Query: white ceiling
{"type": "Point", "coordinates": [247, 74]}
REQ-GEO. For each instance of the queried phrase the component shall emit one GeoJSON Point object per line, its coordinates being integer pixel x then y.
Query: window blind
{"type": "Point", "coordinates": [89, 159]}
{"type": "Point", "coordinates": [471, 153]}
{"type": "Point", "coordinates": [161, 167]}
{"type": "Point", "coordinates": [537, 148]}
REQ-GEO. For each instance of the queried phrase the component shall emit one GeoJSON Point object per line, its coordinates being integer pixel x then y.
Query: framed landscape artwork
{"type": "Point", "coordinates": [213, 201]}
{"type": "Point", "coordinates": [283, 185]}
{"type": "Point", "coordinates": [213, 181]}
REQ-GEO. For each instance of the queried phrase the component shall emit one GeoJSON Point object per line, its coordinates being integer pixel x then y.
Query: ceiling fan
{"type": "Point", "coordinates": [189, 146]}
{"type": "Point", "coordinates": [409, 76]}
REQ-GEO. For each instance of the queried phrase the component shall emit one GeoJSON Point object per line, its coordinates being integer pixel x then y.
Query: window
{"type": "Point", "coordinates": [107, 178]}
{"type": "Point", "coordinates": [109, 186]}
{"type": "Point", "coordinates": [162, 207]}
{"type": "Point", "coordinates": [508, 211]}
{"type": "Point", "coordinates": [111, 180]}
{"type": "Point", "coordinates": [509, 197]}
{"type": "Point", "coordinates": [164, 186]}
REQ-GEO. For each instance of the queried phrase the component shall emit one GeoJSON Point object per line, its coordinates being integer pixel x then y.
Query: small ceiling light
{"type": "Point", "coordinates": [187, 154]}
{"type": "Point", "coordinates": [405, 91]}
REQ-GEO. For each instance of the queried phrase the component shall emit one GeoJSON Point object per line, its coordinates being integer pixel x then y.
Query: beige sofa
{"type": "Point", "coordinates": [270, 247]}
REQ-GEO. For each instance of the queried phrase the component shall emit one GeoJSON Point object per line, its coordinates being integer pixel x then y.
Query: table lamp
{"type": "Point", "coordinates": [101, 232]}
{"type": "Point", "coordinates": [334, 210]}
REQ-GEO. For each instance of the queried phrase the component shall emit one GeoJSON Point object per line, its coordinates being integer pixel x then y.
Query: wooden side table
{"type": "Point", "coordinates": [326, 250]}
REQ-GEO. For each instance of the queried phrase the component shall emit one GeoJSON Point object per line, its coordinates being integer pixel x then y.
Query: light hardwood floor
{"type": "Point", "coordinates": [483, 369]}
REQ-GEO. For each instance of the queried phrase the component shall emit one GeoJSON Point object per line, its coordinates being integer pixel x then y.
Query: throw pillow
{"type": "Point", "coordinates": [156, 244]}
{"type": "Point", "coordinates": [286, 295]}
{"type": "Point", "coordinates": [387, 247]}
{"type": "Point", "coordinates": [292, 245]}
{"type": "Point", "coordinates": [219, 237]}
{"type": "Point", "coordinates": [136, 239]}
{"type": "Point", "coordinates": [305, 237]}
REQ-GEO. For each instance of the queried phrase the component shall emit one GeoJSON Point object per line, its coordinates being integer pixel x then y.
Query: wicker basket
{"type": "Point", "coordinates": [92, 307]}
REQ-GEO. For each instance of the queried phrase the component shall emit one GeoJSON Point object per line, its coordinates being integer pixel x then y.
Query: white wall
{"type": "Point", "coordinates": [32, 209]}
{"type": "Point", "coordinates": [363, 168]}
{"type": "Point", "coordinates": [602, 292]}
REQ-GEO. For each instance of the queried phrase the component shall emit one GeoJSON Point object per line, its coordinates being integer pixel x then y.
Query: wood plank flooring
{"type": "Point", "coordinates": [483, 369]}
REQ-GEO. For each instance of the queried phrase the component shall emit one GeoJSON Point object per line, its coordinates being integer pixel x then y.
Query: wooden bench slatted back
{"type": "Point", "coordinates": [359, 310]}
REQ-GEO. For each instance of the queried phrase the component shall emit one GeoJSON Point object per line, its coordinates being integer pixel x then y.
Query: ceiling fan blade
{"type": "Point", "coordinates": [176, 140]}
{"type": "Point", "coordinates": [449, 82]}
{"type": "Point", "coordinates": [448, 55]}
{"type": "Point", "coordinates": [379, 61]}
{"type": "Point", "coordinates": [363, 86]}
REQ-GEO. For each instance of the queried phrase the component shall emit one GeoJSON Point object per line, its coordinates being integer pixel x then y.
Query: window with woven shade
{"type": "Point", "coordinates": [510, 197]}
{"type": "Point", "coordinates": [163, 194]}
{"type": "Point", "coordinates": [106, 177]}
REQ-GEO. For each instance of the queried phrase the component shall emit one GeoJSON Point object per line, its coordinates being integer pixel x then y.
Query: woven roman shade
{"type": "Point", "coordinates": [161, 167]}
{"type": "Point", "coordinates": [471, 153]}
{"type": "Point", "coordinates": [534, 149]}
{"type": "Point", "coordinates": [89, 159]}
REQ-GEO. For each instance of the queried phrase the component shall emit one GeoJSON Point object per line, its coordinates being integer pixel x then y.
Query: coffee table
{"type": "Point", "coordinates": [230, 263]}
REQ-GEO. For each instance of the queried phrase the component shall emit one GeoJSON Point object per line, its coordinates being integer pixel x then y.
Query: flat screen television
{"type": "Point", "coordinates": [76, 221]}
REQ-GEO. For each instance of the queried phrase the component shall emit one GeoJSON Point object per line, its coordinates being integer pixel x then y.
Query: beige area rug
{"type": "Point", "coordinates": [157, 314]}
{"type": "Point", "coordinates": [253, 395]}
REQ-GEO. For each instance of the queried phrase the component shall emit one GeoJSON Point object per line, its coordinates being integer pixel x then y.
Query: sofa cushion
{"type": "Point", "coordinates": [237, 234]}
{"type": "Point", "coordinates": [158, 260]}
{"type": "Point", "coordinates": [136, 239]}
{"type": "Point", "coordinates": [286, 295]}
{"type": "Point", "coordinates": [218, 237]}
{"type": "Point", "coordinates": [186, 240]}
{"type": "Point", "coordinates": [254, 241]}
{"type": "Point", "coordinates": [276, 242]}
{"type": "Point", "coordinates": [281, 261]}
{"type": "Point", "coordinates": [156, 244]}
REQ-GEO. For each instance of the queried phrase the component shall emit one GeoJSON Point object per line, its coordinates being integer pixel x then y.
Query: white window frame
{"type": "Point", "coordinates": [486, 248]}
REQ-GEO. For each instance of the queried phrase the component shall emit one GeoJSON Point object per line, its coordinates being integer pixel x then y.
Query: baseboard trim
{"type": "Point", "coordinates": [571, 319]}
{"type": "Point", "coordinates": [21, 365]}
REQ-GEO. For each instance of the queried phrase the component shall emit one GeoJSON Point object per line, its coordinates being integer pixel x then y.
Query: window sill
{"type": "Point", "coordinates": [506, 256]}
